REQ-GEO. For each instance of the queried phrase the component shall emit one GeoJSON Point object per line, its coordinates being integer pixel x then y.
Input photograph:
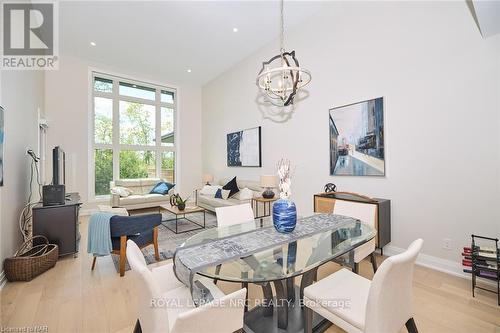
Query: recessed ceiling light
{"type": "Point", "coordinates": [189, 71]}
{"type": "Point", "coordinates": [93, 43]}
{"type": "Point", "coordinates": [235, 29]}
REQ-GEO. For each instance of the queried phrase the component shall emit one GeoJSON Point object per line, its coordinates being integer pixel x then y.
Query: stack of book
{"type": "Point", "coordinates": [486, 261]}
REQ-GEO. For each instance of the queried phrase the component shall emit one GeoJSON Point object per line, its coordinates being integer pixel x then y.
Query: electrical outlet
{"type": "Point", "coordinates": [446, 243]}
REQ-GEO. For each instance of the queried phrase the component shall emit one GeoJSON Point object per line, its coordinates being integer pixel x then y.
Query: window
{"type": "Point", "coordinates": [133, 132]}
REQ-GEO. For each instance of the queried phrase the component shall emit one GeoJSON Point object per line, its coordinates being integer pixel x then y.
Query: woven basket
{"type": "Point", "coordinates": [28, 263]}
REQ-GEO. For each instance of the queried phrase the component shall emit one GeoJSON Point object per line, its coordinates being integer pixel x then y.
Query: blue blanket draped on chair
{"type": "Point", "coordinates": [99, 234]}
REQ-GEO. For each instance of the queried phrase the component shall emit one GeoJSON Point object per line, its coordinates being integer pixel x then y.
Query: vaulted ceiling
{"type": "Point", "coordinates": [170, 37]}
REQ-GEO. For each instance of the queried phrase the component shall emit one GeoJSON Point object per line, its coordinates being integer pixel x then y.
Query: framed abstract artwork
{"type": "Point", "coordinates": [357, 139]}
{"type": "Point", "coordinates": [244, 148]}
{"type": "Point", "coordinates": [2, 138]}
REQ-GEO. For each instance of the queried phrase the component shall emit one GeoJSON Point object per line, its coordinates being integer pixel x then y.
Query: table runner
{"type": "Point", "coordinates": [189, 260]}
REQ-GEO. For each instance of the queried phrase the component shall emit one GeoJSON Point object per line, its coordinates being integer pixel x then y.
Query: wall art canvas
{"type": "Point", "coordinates": [2, 138]}
{"type": "Point", "coordinates": [244, 148]}
{"type": "Point", "coordinates": [357, 139]}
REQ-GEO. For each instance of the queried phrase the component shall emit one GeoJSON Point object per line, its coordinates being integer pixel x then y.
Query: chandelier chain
{"type": "Point", "coordinates": [282, 31]}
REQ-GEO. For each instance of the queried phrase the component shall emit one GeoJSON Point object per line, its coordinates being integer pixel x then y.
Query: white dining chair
{"type": "Point", "coordinates": [382, 305]}
{"type": "Point", "coordinates": [366, 213]}
{"type": "Point", "coordinates": [231, 215]}
{"type": "Point", "coordinates": [165, 304]}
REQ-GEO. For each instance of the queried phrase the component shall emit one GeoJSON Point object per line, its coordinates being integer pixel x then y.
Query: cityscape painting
{"type": "Point", "coordinates": [244, 148]}
{"type": "Point", "coordinates": [357, 139]}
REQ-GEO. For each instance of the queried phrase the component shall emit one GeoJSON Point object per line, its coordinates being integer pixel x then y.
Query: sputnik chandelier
{"type": "Point", "coordinates": [281, 77]}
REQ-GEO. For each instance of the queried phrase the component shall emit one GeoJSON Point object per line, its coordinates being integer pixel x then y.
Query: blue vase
{"type": "Point", "coordinates": [284, 215]}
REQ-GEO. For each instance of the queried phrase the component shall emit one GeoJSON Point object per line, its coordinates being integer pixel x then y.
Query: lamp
{"type": "Point", "coordinates": [268, 182]}
{"type": "Point", "coordinates": [207, 178]}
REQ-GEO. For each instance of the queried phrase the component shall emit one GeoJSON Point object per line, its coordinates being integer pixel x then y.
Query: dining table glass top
{"type": "Point", "coordinates": [284, 260]}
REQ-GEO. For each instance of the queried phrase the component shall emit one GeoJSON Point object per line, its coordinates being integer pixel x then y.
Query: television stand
{"type": "Point", "coordinates": [59, 224]}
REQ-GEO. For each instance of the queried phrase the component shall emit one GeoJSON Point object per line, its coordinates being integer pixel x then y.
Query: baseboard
{"type": "Point", "coordinates": [435, 263]}
{"type": "Point", "coordinates": [3, 279]}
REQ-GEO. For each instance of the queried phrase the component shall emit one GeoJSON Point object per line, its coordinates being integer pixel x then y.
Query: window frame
{"type": "Point", "coordinates": [115, 145]}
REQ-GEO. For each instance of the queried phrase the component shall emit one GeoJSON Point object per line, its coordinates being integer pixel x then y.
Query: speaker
{"type": "Point", "coordinates": [53, 195]}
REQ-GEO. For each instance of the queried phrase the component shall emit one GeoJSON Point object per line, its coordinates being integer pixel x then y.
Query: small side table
{"type": "Point", "coordinates": [267, 206]}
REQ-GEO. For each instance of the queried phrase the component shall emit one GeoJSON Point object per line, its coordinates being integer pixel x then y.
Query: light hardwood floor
{"type": "Point", "coordinates": [72, 298]}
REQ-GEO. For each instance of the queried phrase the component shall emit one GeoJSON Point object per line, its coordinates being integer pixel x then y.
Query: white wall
{"type": "Point", "coordinates": [67, 104]}
{"type": "Point", "coordinates": [21, 96]}
{"type": "Point", "coordinates": [439, 80]}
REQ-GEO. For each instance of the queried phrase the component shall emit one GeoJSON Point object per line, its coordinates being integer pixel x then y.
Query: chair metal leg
{"type": "Point", "coordinates": [245, 285]}
{"type": "Point", "coordinates": [93, 262]}
{"type": "Point", "coordinates": [308, 320]}
{"type": "Point", "coordinates": [137, 327]}
{"type": "Point", "coordinates": [217, 271]}
{"type": "Point", "coordinates": [307, 280]}
{"type": "Point", "coordinates": [355, 268]}
{"type": "Point", "coordinates": [411, 326]}
{"type": "Point", "coordinates": [290, 289]}
{"type": "Point", "coordinates": [374, 262]}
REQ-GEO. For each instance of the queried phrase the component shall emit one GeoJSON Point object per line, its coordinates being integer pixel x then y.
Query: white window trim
{"type": "Point", "coordinates": [157, 148]}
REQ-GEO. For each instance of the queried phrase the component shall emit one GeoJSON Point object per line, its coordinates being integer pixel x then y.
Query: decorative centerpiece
{"type": "Point", "coordinates": [176, 200]}
{"type": "Point", "coordinates": [284, 210]}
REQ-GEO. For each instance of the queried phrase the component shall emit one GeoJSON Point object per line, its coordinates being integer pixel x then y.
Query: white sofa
{"type": "Point", "coordinates": [140, 198]}
{"type": "Point", "coordinates": [210, 203]}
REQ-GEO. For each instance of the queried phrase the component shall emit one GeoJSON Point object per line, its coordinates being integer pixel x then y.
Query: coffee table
{"type": "Point", "coordinates": [181, 215]}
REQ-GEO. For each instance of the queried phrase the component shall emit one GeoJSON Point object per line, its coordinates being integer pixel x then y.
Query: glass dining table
{"type": "Point", "coordinates": [280, 265]}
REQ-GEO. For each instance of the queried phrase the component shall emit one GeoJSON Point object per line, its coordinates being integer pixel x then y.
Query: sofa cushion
{"type": "Point", "coordinates": [121, 191]}
{"type": "Point", "coordinates": [251, 184]}
{"type": "Point", "coordinates": [128, 182]}
{"type": "Point", "coordinates": [210, 189]}
{"type": "Point", "coordinates": [146, 198]}
{"type": "Point", "coordinates": [222, 194]}
{"type": "Point", "coordinates": [147, 184]}
{"type": "Point", "coordinates": [150, 181]}
{"type": "Point", "coordinates": [232, 186]}
{"type": "Point", "coordinates": [139, 185]}
{"type": "Point", "coordinates": [213, 202]}
{"type": "Point", "coordinates": [244, 194]}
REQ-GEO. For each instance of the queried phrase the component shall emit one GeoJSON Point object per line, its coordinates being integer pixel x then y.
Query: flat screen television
{"type": "Point", "coordinates": [58, 166]}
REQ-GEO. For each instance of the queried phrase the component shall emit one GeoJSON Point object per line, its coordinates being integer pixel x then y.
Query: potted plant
{"type": "Point", "coordinates": [176, 200]}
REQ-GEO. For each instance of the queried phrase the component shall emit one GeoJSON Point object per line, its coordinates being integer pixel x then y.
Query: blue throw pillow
{"type": "Point", "coordinates": [162, 188]}
{"type": "Point", "coordinates": [218, 194]}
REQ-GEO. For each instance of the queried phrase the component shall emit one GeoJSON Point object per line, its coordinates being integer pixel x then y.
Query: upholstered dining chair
{"type": "Point", "coordinates": [381, 305]}
{"type": "Point", "coordinates": [165, 304]}
{"type": "Point", "coordinates": [231, 215]}
{"type": "Point", "coordinates": [366, 213]}
{"type": "Point", "coordinates": [142, 229]}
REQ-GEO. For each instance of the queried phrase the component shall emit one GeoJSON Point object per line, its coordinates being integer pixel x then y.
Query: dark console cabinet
{"type": "Point", "coordinates": [59, 224]}
{"type": "Point", "coordinates": [325, 203]}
